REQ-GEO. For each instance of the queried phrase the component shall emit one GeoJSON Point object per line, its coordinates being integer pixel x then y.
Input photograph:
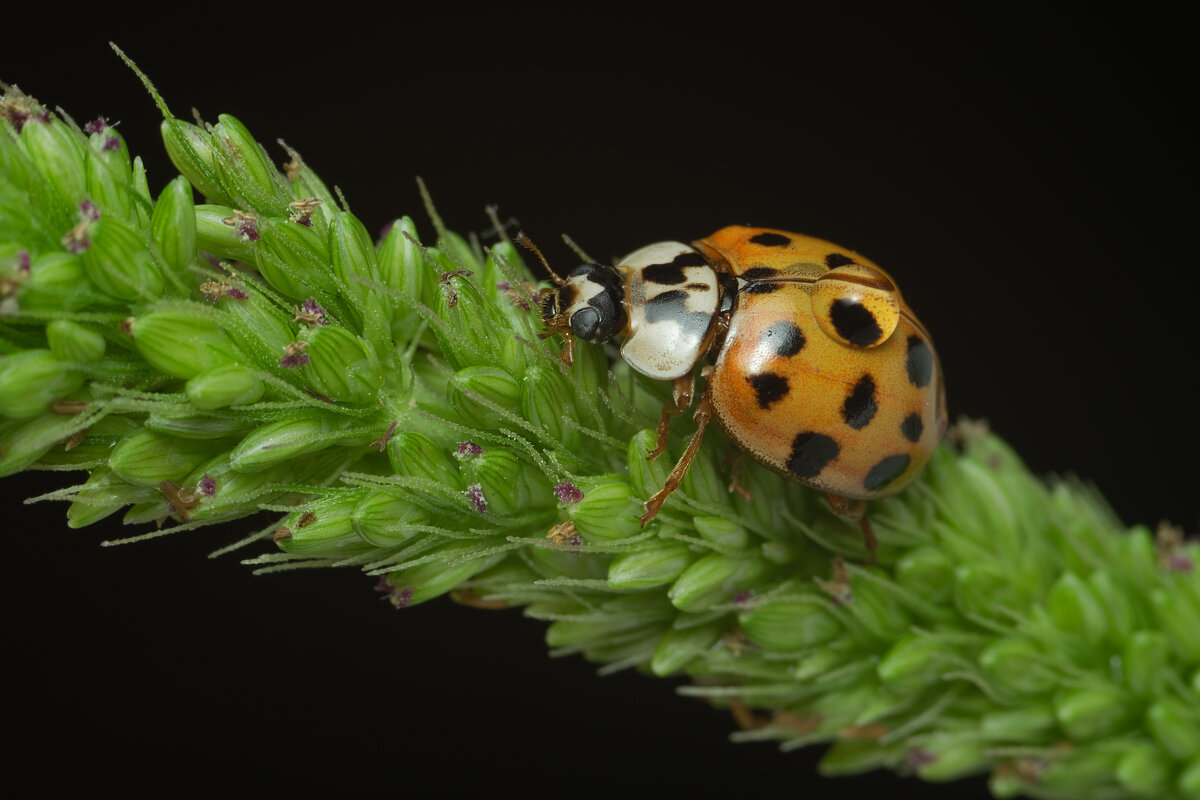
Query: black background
{"type": "Point", "coordinates": [1026, 178]}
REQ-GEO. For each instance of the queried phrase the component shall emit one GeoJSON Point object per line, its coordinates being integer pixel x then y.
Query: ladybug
{"type": "Point", "coordinates": [817, 370]}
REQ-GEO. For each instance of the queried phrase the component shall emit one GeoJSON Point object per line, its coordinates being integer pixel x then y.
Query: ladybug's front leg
{"type": "Point", "coordinates": [682, 390]}
{"type": "Point", "coordinates": [702, 417]}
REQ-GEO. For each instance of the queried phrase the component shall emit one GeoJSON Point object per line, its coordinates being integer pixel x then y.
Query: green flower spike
{"type": "Point", "coordinates": [394, 404]}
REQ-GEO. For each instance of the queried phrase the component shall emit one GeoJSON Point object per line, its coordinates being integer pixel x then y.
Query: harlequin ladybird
{"type": "Point", "coordinates": [819, 370]}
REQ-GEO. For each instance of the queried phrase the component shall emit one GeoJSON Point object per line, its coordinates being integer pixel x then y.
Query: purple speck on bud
{"type": "Point", "coordinates": [88, 212]}
{"type": "Point", "coordinates": [208, 486]}
{"type": "Point", "coordinates": [236, 293]}
{"type": "Point", "coordinates": [171, 507]}
{"type": "Point", "coordinates": [111, 143]}
{"type": "Point", "coordinates": [386, 229]}
{"type": "Point", "coordinates": [918, 757]}
{"type": "Point", "coordinates": [248, 229]}
{"type": "Point", "coordinates": [311, 306]}
{"type": "Point", "coordinates": [402, 598]}
{"type": "Point", "coordinates": [1179, 562]}
{"type": "Point", "coordinates": [23, 261]}
{"type": "Point", "coordinates": [743, 597]}
{"type": "Point", "coordinates": [44, 116]}
{"type": "Point", "coordinates": [294, 355]}
{"type": "Point", "coordinates": [76, 240]}
{"type": "Point", "coordinates": [568, 493]}
{"type": "Point", "coordinates": [503, 286]}
{"type": "Point", "coordinates": [467, 449]}
{"type": "Point", "coordinates": [474, 493]}
{"type": "Point", "coordinates": [96, 126]}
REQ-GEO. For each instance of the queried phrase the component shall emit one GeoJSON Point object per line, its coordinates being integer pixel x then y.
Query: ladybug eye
{"type": "Point", "coordinates": [856, 305]}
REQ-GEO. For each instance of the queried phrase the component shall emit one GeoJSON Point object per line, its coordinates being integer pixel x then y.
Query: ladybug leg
{"type": "Point", "coordinates": [682, 390]}
{"type": "Point", "coordinates": [733, 459]}
{"type": "Point", "coordinates": [856, 511]}
{"type": "Point", "coordinates": [702, 417]}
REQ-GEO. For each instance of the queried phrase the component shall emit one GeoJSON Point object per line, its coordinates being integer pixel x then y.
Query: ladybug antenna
{"type": "Point", "coordinates": [528, 244]}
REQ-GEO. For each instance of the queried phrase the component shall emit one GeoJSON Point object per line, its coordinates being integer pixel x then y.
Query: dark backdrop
{"type": "Point", "coordinates": [1028, 179]}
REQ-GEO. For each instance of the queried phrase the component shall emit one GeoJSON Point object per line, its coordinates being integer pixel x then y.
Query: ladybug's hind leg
{"type": "Point", "coordinates": [682, 390]}
{"type": "Point", "coordinates": [702, 417]}
{"type": "Point", "coordinates": [856, 511]}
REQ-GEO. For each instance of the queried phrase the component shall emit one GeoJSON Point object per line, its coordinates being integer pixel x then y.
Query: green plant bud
{"type": "Point", "coordinates": [1084, 771]}
{"type": "Point", "coordinates": [222, 240]}
{"type": "Point", "coordinates": [103, 494]}
{"type": "Point", "coordinates": [653, 564]}
{"type": "Point", "coordinates": [1074, 609]}
{"type": "Point", "coordinates": [608, 511]}
{"type": "Point", "coordinates": [1176, 726]}
{"type": "Point", "coordinates": [119, 263]}
{"type": "Point", "coordinates": [324, 529]}
{"type": "Point", "coordinates": [352, 252]}
{"type": "Point", "coordinates": [983, 590]}
{"type": "Point", "coordinates": [223, 491]}
{"type": "Point", "coordinates": [147, 458]}
{"type": "Point", "coordinates": [855, 756]}
{"type": "Point", "coordinates": [1026, 723]}
{"type": "Point", "coordinates": [293, 258]}
{"type": "Point", "coordinates": [182, 343]}
{"type": "Point", "coordinates": [508, 483]}
{"type": "Point", "coordinates": [283, 440]}
{"type": "Point", "coordinates": [458, 249]}
{"type": "Point", "coordinates": [245, 171]}
{"type": "Point", "coordinates": [71, 341]}
{"type": "Point", "coordinates": [715, 579]}
{"type": "Point", "coordinates": [877, 608]}
{"type": "Point", "coordinates": [566, 563]}
{"type": "Point", "coordinates": [57, 282]}
{"type": "Point", "coordinates": [952, 758]}
{"type": "Point", "coordinates": [198, 427]}
{"type": "Point", "coordinates": [788, 625]}
{"type": "Point", "coordinates": [446, 570]}
{"type": "Point", "coordinates": [647, 477]}
{"type": "Point", "coordinates": [110, 190]}
{"type": "Point", "coordinates": [913, 663]}
{"type": "Point", "coordinates": [927, 573]}
{"type": "Point", "coordinates": [1177, 610]}
{"type": "Point", "coordinates": [341, 366]}
{"type": "Point", "coordinates": [1189, 780]}
{"type": "Point", "coordinates": [1094, 712]}
{"type": "Point", "coordinates": [109, 144]}
{"type": "Point", "coordinates": [402, 268]}
{"type": "Point", "coordinates": [1145, 662]}
{"type": "Point", "coordinates": [57, 154]}
{"type": "Point", "coordinates": [191, 150]}
{"type": "Point", "coordinates": [1017, 665]}
{"type": "Point", "coordinates": [173, 226]}
{"type": "Point", "coordinates": [491, 383]}
{"type": "Point", "coordinates": [416, 455]}
{"type": "Point", "coordinates": [386, 520]}
{"type": "Point", "coordinates": [819, 662]}
{"type": "Point", "coordinates": [1122, 616]}
{"type": "Point", "coordinates": [226, 385]}
{"type": "Point", "coordinates": [722, 532]}
{"type": "Point", "coordinates": [1143, 770]}
{"type": "Point", "coordinates": [23, 443]}
{"type": "Point", "coordinates": [33, 379]}
{"type": "Point", "coordinates": [258, 325]}
{"type": "Point", "coordinates": [592, 629]}
{"type": "Point", "coordinates": [546, 398]}
{"type": "Point", "coordinates": [677, 648]}
{"type": "Point", "coordinates": [142, 203]}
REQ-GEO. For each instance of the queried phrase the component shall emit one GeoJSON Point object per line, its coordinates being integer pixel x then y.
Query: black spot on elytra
{"type": "Point", "coordinates": [811, 453]}
{"type": "Point", "coordinates": [860, 406]}
{"type": "Point", "coordinates": [912, 427]}
{"type": "Point", "coordinates": [835, 260]}
{"type": "Point", "coordinates": [768, 387]}
{"type": "Point", "coordinates": [784, 338]}
{"type": "Point", "coordinates": [698, 287]}
{"type": "Point", "coordinates": [761, 288]}
{"type": "Point", "coordinates": [689, 259]}
{"type": "Point", "coordinates": [855, 323]}
{"type": "Point", "coordinates": [667, 274]}
{"type": "Point", "coordinates": [885, 472]}
{"type": "Point", "coordinates": [770, 240]}
{"type": "Point", "coordinates": [668, 305]}
{"type": "Point", "coordinates": [758, 273]}
{"type": "Point", "coordinates": [920, 362]}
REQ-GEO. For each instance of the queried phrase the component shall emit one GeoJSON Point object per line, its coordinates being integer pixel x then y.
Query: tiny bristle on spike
{"type": "Point", "coordinates": [528, 244]}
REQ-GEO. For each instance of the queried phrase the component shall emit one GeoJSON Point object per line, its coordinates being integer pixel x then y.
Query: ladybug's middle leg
{"type": "Point", "coordinates": [682, 390]}
{"type": "Point", "coordinates": [702, 417]}
{"type": "Point", "coordinates": [856, 511]}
